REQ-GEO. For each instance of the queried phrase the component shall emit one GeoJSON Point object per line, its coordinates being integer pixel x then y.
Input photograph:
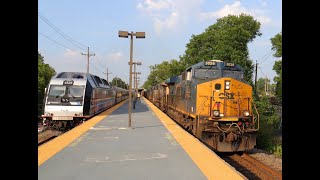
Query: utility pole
{"type": "Point", "coordinates": [107, 74]}
{"type": "Point", "coordinates": [255, 81]}
{"type": "Point", "coordinates": [88, 58]}
{"type": "Point", "coordinates": [134, 79]}
{"type": "Point", "coordinates": [265, 85]}
{"type": "Point", "coordinates": [266, 88]}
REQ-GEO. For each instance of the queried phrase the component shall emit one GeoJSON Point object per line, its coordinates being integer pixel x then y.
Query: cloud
{"type": "Point", "coordinates": [167, 23]}
{"type": "Point", "coordinates": [150, 5]}
{"type": "Point", "coordinates": [235, 9]}
{"type": "Point", "coordinates": [263, 3]}
{"type": "Point", "coordinates": [71, 54]}
{"type": "Point", "coordinates": [115, 57]}
{"type": "Point", "coordinates": [169, 14]}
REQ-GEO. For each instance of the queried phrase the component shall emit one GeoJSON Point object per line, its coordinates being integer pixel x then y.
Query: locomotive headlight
{"type": "Point", "coordinates": [227, 83]}
{"type": "Point", "coordinates": [246, 113]}
{"type": "Point", "coordinates": [221, 115]}
{"type": "Point", "coordinates": [216, 113]}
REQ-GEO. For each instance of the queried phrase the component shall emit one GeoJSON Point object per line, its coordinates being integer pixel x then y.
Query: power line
{"type": "Point", "coordinates": [266, 57]}
{"type": "Point", "coordinates": [60, 32]}
{"type": "Point", "coordinates": [55, 41]}
{"type": "Point", "coordinates": [99, 72]}
{"type": "Point", "coordinates": [262, 72]}
{"type": "Point", "coordinates": [98, 60]}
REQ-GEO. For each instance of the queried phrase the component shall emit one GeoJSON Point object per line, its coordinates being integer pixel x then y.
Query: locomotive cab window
{"type": "Point", "coordinates": [206, 73]}
{"type": "Point", "coordinates": [57, 90]}
{"type": "Point", "coordinates": [189, 74]}
{"type": "Point", "coordinates": [233, 74]}
{"type": "Point", "coordinates": [76, 91]}
{"type": "Point", "coordinates": [217, 86]}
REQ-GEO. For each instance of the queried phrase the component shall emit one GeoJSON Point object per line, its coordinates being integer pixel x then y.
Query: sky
{"type": "Point", "coordinates": [66, 28]}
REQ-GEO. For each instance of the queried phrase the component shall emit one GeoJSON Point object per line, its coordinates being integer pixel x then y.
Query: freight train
{"type": "Point", "coordinates": [212, 101]}
{"type": "Point", "coordinates": [73, 97]}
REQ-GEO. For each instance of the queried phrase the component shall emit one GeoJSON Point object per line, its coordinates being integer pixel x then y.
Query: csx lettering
{"type": "Point", "coordinates": [227, 95]}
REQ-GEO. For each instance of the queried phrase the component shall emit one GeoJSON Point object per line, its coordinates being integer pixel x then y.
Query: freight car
{"type": "Point", "coordinates": [73, 97]}
{"type": "Point", "coordinates": [212, 101]}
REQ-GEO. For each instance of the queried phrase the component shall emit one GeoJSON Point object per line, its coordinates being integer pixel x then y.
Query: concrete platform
{"type": "Point", "coordinates": [111, 150]}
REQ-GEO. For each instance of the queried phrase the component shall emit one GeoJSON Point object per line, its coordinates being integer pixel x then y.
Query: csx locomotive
{"type": "Point", "coordinates": [211, 100]}
{"type": "Point", "coordinates": [73, 97]}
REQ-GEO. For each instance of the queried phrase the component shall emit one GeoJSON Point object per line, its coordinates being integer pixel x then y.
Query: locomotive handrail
{"type": "Point", "coordinates": [202, 103]}
{"type": "Point", "coordinates": [225, 131]}
{"type": "Point", "coordinates": [253, 118]}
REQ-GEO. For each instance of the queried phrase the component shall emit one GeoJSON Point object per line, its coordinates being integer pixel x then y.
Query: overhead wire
{"type": "Point", "coordinates": [56, 41]}
{"type": "Point", "coordinates": [266, 58]}
{"type": "Point", "coordinates": [60, 32]}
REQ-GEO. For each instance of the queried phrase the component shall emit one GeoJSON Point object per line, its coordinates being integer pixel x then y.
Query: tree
{"type": "Point", "coordinates": [277, 67]}
{"type": "Point", "coordinates": [45, 73]}
{"type": "Point", "coordinates": [277, 45]}
{"type": "Point", "coordinates": [263, 85]}
{"type": "Point", "coordinates": [119, 83]}
{"type": "Point", "coordinates": [161, 72]}
{"type": "Point", "coordinates": [225, 40]}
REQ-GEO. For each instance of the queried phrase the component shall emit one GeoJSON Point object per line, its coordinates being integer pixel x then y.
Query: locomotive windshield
{"type": "Point", "coordinates": [233, 74]}
{"type": "Point", "coordinates": [65, 95]}
{"type": "Point", "coordinates": [58, 91]}
{"type": "Point", "coordinates": [76, 91]}
{"type": "Point", "coordinates": [206, 73]}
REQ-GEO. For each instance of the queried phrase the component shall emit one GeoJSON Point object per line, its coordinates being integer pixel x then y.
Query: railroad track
{"type": "Point", "coordinates": [250, 167]}
{"type": "Point", "coordinates": [47, 135]}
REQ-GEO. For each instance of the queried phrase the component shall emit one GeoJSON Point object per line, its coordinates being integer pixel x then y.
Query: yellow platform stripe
{"type": "Point", "coordinates": [52, 147]}
{"type": "Point", "coordinates": [212, 166]}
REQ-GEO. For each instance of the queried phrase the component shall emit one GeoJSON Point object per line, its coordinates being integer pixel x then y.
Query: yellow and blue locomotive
{"type": "Point", "coordinates": [211, 100]}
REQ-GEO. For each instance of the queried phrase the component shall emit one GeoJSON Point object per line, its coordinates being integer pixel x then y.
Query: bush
{"type": "Point", "coordinates": [267, 138]}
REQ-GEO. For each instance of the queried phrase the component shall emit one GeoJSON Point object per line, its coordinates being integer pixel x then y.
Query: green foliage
{"type": "Point", "coordinates": [277, 150]}
{"type": "Point", "coordinates": [277, 67]}
{"type": "Point", "coordinates": [119, 83]}
{"type": "Point", "coordinates": [264, 87]}
{"type": "Point", "coordinates": [269, 125]}
{"type": "Point", "coordinates": [45, 73]}
{"type": "Point", "coordinates": [261, 86]}
{"type": "Point", "coordinates": [225, 40]}
{"type": "Point", "coordinates": [161, 72]}
{"type": "Point", "coordinates": [267, 112]}
{"type": "Point", "coordinates": [277, 44]}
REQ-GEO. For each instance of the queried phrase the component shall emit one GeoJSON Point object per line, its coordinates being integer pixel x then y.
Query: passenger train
{"type": "Point", "coordinates": [213, 102]}
{"type": "Point", "coordinates": [73, 97]}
